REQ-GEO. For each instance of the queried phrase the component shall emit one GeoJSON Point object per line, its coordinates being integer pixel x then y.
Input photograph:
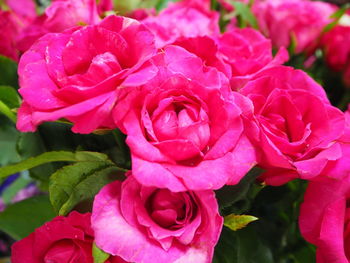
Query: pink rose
{"type": "Point", "coordinates": [303, 20]}
{"type": "Point", "coordinates": [105, 6]}
{"type": "Point", "coordinates": [187, 18]}
{"type": "Point", "coordinates": [325, 219]}
{"type": "Point", "coordinates": [341, 167]}
{"type": "Point", "coordinates": [76, 74]}
{"type": "Point", "coordinates": [337, 51]}
{"type": "Point", "coordinates": [25, 9]}
{"type": "Point", "coordinates": [247, 52]}
{"type": "Point", "coordinates": [336, 47]}
{"type": "Point", "coordinates": [59, 16]}
{"type": "Point", "coordinates": [10, 27]}
{"type": "Point", "coordinates": [206, 48]}
{"type": "Point", "coordinates": [293, 139]}
{"type": "Point", "coordinates": [147, 224]}
{"type": "Point", "coordinates": [185, 125]}
{"type": "Point", "coordinates": [63, 240]}
{"type": "Point", "coordinates": [20, 13]}
{"type": "Point", "coordinates": [142, 13]}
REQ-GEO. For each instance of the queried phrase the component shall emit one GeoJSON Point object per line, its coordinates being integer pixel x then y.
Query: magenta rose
{"type": "Point", "coordinates": [147, 224]}
{"type": "Point", "coordinates": [105, 6]}
{"type": "Point", "coordinates": [325, 219]}
{"type": "Point", "coordinates": [186, 126]}
{"type": "Point", "coordinates": [247, 52]}
{"type": "Point", "coordinates": [207, 49]}
{"type": "Point", "coordinates": [59, 16]}
{"type": "Point", "coordinates": [341, 167]}
{"type": "Point", "coordinates": [285, 21]}
{"type": "Point", "coordinates": [76, 74]}
{"type": "Point", "coordinates": [294, 141]}
{"type": "Point", "coordinates": [18, 14]}
{"type": "Point", "coordinates": [336, 46]}
{"type": "Point", "coordinates": [9, 29]}
{"type": "Point", "coordinates": [188, 18]}
{"type": "Point", "coordinates": [64, 240]}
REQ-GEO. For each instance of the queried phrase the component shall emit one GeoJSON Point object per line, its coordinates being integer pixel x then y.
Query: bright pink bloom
{"type": "Point", "coordinates": [76, 74]}
{"type": "Point", "coordinates": [325, 219]}
{"type": "Point", "coordinates": [301, 20]}
{"type": "Point", "coordinates": [147, 224]}
{"type": "Point", "coordinates": [294, 141]}
{"type": "Point", "coordinates": [9, 30]}
{"type": "Point", "coordinates": [337, 48]}
{"type": "Point", "coordinates": [247, 52]}
{"type": "Point", "coordinates": [341, 167]}
{"type": "Point", "coordinates": [12, 22]}
{"type": "Point", "coordinates": [186, 126]}
{"type": "Point", "coordinates": [59, 16]}
{"type": "Point", "coordinates": [105, 6]}
{"type": "Point", "coordinates": [187, 18]}
{"type": "Point", "coordinates": [25, 9]}
{"type": "Point", "coordinates": [64, 240]}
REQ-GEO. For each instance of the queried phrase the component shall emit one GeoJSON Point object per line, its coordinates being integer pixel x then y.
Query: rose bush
{"type": "Point", "coordinates": [294, 141]}
{"type": "Point", "coordinates": [76, 74]}
{"type": "Point", "coordinates": [185, 125]}
{"type": "Point", "coordinates": [64, 239]}
{"type": "Point", "coordinates": [161, 226]}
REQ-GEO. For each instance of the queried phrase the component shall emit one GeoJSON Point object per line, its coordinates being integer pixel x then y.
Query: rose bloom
{"type": "Point", "coordinates": [247, 51]}
{"type": "Point", "coordinates": [76, 74]}
{"type": "Point", "coordinates": [147, 224]}
{"type": "Point", "coordinates": [325, 219]}
{"type": "Point", "coordinates": [301, 21]}
{"type": "Point", "coordinates": [336, 46]}
{"type": "Point", "coordinates": [185, 125]}
{"type": "Point", "coordinates": [187, 18]}
{"type": "Point", "coordinates": [19, 14]}
{"type": "Point", "coordinates": [64, 240]}
{"type": "Point", "coordinates": [59, 16]}
{"type": "Point", "coordinates": [294, 141]}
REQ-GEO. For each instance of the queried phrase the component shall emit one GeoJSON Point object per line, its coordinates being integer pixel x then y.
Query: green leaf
{"type": "Point", "coordinates": [9, 96]}
{"type": "Point", "coordinates": [243, 246]}
{"type": "Point", "coordinates": [8, 72]}
{"type": "Point", "coordinates": [230, 194]}
{"type": "Point", "coordinates": [78, 182]}
{"type": "Point", "coordinates": [124, 7]}
{"type": "Point", "coordinates": [4, 109]}
{"type": "Point", "coordinates": [98, 254]}
{"type": "Point", "coordinates": [8, 138]}
{"type": "Point", "coordinates": [245, 13]}
{"type": "Point", "coordinates": [236, 222]}
{"type": "Point", "coordinates": [60, 156]}
{"type": "Point", "coordinates": [22, 218]}
{"type": "Point", "coordinates": [337, 16]}
{"type": "Point", "coordinates": [29, 145]}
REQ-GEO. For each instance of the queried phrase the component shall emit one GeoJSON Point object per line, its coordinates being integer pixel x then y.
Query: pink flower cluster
{"type": "Point", "coordinates": [199, 109]}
